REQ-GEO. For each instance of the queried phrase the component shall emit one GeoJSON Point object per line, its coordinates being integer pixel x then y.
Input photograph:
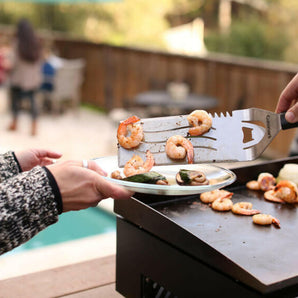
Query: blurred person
{"type": "Point", "coordinates": [25, 72]}
{"type": "Point", "coordinates": [49, 69]}
{"type": "Point", "coordinates": [34, 190]}
{"type": "Point", "coordinates": [288, 103]}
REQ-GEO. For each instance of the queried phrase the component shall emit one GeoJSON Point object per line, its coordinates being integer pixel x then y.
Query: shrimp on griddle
{"type": "Point", "coordinates": [284, 192]}
{"type": "Point", "coordinates": [287, 191]}
{"type": "Point", "coordinates": [266, 181]}
{"type": "Point", "coordinates": [244, 208]}
{"type": "Point", "coordinates": [253, 185]}
{"type": "Point", "coordinates": [265, 219]}
{"type": "Point", "coordinates": [222, 204]}
{"type": "Point", "coordinates": [210, 196]}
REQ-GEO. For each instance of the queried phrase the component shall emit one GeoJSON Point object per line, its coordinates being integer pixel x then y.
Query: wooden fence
{"type": "Point", "coordinates": [114, 75]}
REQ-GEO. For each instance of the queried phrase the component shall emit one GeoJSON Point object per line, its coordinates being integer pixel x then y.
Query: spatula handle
{"type": "Point", "coordinates": [285, 124]}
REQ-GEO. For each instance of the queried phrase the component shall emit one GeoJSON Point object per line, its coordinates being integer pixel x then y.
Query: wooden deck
{"type": "Point", "coordinates": [94, 278]}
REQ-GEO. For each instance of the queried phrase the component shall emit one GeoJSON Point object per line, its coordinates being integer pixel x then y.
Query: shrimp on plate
{"type": "Point", "coordinates": [265, 219]}
{"type": "Point", "coordinates": [136, 165]}
{"type": "Point", "coordinates": [130, 133]}
{"type": "Point", "coordinates": [244, 208]}
{"type": "Point", "coordinates": [210, 196]}
{"type": "Point", "coordinates": [222, 204]}
{"type": "Point", "coordinates": [116, 175]}
{"type": "Point", "coordinates": [201, 122]}
{"type": "Point", "coordinates": [177, 147]}
{"type": "Point", "coordinates": [284, 191]}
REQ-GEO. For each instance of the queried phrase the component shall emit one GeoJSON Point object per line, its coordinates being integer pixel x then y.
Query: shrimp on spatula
{"type": "Point", "coordinates": [177, 147]}
{"type": "Point", "coordinates": [200, 121]}
{"type": "Point", "coordinates": [130, 133]}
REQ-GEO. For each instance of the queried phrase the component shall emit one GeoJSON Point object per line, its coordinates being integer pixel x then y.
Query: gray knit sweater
{"type": "Point", "coordinates": [29, 202]}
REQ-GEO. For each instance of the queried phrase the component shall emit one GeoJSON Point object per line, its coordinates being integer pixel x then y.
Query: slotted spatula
{"type": "Point", "coordinates": [240, 136]}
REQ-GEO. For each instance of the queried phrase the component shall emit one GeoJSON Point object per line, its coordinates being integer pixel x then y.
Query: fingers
{"type": "Point", "coordinates": [292, 114]}
{"type": "Point", "coordinates": [104, 187]}
{"type": "Point", "coordinates": [46, 161]}
{"type": "Point", "coordinates": [92, 165]}
{"type": "Point", "coordinates": [111, 190]}
{"type": "Point", "coordinates": [289, 94]}
{"type": "Point", "coordinates": [47, 153]}
{"type": "Point", "coordinates": [81, 188]}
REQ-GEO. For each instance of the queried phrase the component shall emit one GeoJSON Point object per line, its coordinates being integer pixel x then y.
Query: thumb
{"type": "Point", "coordinates": [292, 114]}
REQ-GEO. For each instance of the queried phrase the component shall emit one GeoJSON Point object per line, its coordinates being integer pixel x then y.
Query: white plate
{"type": "Point", "coordinates": [220, 177]}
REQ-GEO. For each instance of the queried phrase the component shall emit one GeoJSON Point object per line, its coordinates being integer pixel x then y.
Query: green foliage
{"type": "Point", "coordinates": [250, 38]}
{"type": "Point", "coordinates": [271, 34]}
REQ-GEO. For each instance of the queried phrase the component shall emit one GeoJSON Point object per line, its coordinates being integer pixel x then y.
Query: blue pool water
{"type": "Point", "coordinates": [72, 225]}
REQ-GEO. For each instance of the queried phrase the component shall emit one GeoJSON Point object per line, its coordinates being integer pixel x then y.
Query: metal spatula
{"type": "Point", "coordinates": [240, 136]}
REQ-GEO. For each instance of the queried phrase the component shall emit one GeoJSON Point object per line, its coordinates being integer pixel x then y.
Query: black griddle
{"type": "Point", "coordinates": [236, 255]}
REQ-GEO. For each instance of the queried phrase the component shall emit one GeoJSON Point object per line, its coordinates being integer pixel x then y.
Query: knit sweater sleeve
{"type": "Point", "coordinates": [9, 166]}
{"type": "Point", "coordinates": [27, 206]}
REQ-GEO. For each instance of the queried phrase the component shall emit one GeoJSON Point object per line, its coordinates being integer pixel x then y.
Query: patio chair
{"type": "Point", "coordinates": [67, 83]}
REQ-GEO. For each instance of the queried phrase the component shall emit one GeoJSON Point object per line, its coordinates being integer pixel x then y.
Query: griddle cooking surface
{"type": "Point", "coordinates": [266, 252]}
{"type": "Point", "coordinates": [262, 257]}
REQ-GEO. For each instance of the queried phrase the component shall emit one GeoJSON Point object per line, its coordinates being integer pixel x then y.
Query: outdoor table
{"type": "Point", "coordinates": [163, 100]}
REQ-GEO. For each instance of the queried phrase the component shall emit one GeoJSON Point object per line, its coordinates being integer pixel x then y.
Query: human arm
{"type": "Point", "coordinates": [81, 188]}
{"type": "Point", "coordinates": [9, 166]}
{"type": "Point", "coordinates": [27, 206]}
{"type": "Point", "coordinates": [13, 163]}
{"type": "Point", "coordinates": [288, 101]}
{"type": "Point", "coordinates": [28, 159]}
{"type": "Point", "coordinates": [32, 200]}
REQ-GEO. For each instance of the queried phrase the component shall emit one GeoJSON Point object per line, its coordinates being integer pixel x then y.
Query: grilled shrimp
{"type": "Point", "coordinates": [129, 133]}
{"type": "Point", "coordinates": [266, 181]}
{"type": "Point", "coordinates": [287, 191]}
{"type": "Point", "coordinates": [265, 219]}
{"type": "Point", "coordinates": [177, 147]}
{"type": "Point", "coordinates": [210, 196]}
{"type": "Point", "coordinates": [253, 185]}
{"type": "Point", "coordinates": [136, 165]}
{"type": "Point", "coordinates": [244, 208]}
{"type": "Point", "coordinates": [284, 192]}
{"type": "Point", "coordinates": [116, 175]}
{"type": "Point", "coordinates": [201, 122]}
{"type": "Point", "coordinates": [269, 195]}
{"type": "Point", "coordinates": [222, 204]}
